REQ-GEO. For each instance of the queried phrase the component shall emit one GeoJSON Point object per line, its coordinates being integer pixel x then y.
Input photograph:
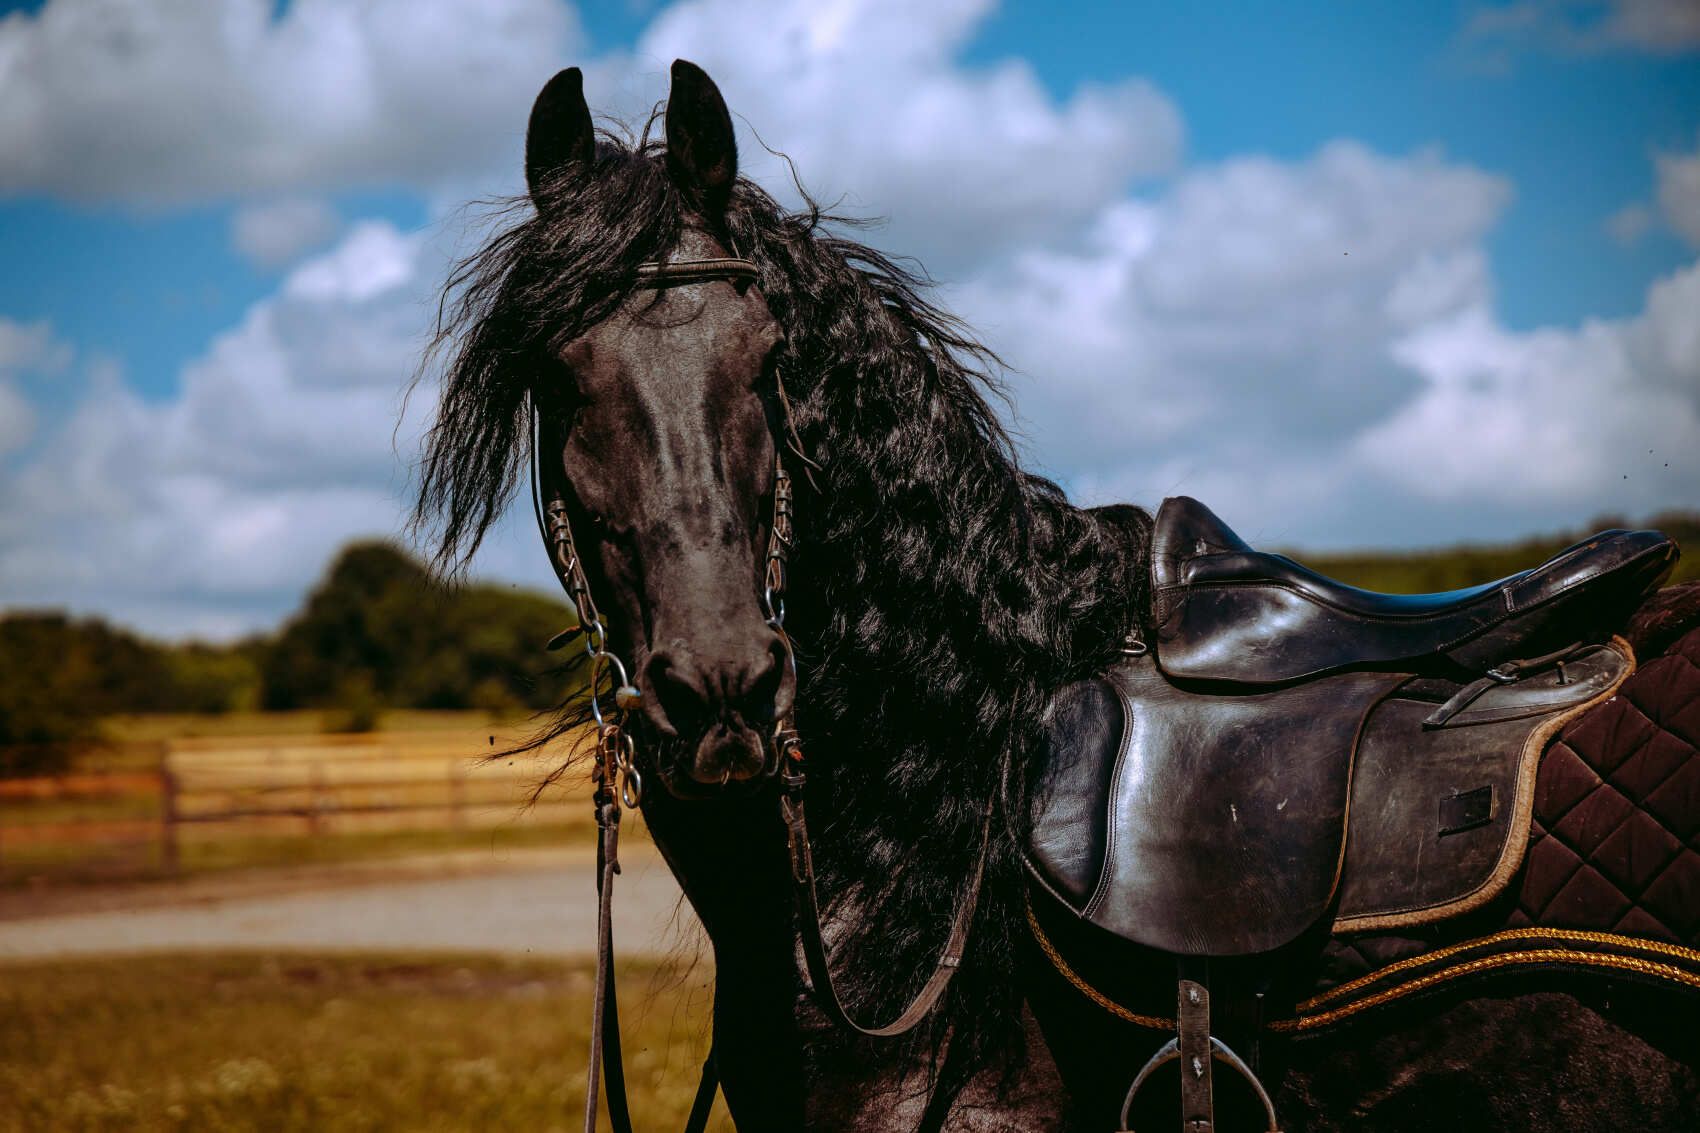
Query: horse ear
{"type": "Point", "coordinates": [702, 152]}
{"type": "Point", "coordinates": [560, 132]}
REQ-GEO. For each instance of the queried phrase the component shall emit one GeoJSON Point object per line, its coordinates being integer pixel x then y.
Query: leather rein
{"type": "Point", "coordinates": [618, 782]}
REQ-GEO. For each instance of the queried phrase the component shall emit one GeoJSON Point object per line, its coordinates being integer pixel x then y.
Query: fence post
{"type": "Point", "coordinates": [167, 810]}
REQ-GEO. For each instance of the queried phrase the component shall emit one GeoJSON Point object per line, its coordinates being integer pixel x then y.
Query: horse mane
{"type": "Point", "coordinates": [940, 594]}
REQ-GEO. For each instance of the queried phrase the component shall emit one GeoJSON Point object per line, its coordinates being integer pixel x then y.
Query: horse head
{"type": "Point", "coordinates": [656, 441]}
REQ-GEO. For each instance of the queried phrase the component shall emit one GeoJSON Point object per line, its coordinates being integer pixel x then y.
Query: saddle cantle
{"type": "Point", "coordinates": [1290, 755]}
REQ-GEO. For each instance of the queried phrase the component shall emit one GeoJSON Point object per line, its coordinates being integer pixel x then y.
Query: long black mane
{"type": "Point", "coordinates": [940, 595]}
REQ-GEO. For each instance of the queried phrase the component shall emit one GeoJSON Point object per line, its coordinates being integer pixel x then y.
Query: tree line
{"type": "Point", "coordinates": [377, 632]}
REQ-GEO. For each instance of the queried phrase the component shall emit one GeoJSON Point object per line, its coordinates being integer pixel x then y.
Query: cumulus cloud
{"type": "Point", "coordinates": [1660, 27]}
{"type": "Point", "coordinates": [1311, 347]}
{"type": "Point", "coordinates": [30, 346]}
{"type": "Point", "coordinates": [276, 233]}
{"type": "Point", "coordinates": [211, 511]}
{"type": "Point", "coordinates": [150, 102]}
{"type": "Point", "coordinates": [26, 349]}
{"type": "Point", "coordinates": [139, 101]}
{"type": "Point", "coordinates": [1679, 193]}
{"type": "Point", "coordinates": [1605, 415]}
{"type": "Point", "coordinates": [17, 417]}
{"type": "Point", "coordinates": [1628, 224]}
{"type": "Point", "coordinates": [1239, 318]}
{"type": "Point", "coordinates": [870, 101]}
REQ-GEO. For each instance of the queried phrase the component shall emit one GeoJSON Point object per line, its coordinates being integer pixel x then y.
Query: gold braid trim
{"type": "Point", "coordinates": [1306, 1019]}
{"type": "Point", "coordinates": [1574, 936]}
{"type": "Point", "coordinates": [1669, 972]}
{"type": "Point", "coordinates": [1086, 989]}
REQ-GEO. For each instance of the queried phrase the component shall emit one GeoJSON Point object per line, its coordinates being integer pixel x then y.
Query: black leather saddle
{"type": "Point", "coordinates": [1289, 753]}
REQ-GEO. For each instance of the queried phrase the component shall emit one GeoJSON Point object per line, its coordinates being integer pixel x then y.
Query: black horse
{"type": "Point", "coordinates": [939, 596]}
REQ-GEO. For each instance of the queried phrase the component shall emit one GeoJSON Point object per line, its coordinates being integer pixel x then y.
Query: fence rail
{"type": "Point", "coordinates": [219, 788]}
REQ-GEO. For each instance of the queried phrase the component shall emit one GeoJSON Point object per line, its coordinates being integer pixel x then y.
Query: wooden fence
{"type": "Point", "coordinates": [283, 786]}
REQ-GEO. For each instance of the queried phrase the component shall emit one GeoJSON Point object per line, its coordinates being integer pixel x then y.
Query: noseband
{"type": "Point", "coordinates": [619, 782]}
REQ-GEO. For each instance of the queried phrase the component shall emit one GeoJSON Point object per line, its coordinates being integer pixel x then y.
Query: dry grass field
{"type": "Point", "coordinates": [299, 1043]}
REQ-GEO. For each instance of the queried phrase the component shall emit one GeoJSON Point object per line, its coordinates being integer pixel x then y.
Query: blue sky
{"type": "Point", "coordinates": [1510, 177]}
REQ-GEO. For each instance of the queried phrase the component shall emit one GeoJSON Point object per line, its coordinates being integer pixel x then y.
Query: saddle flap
{"type": "Point", "coordinates": [1440, 816]}
{"type": "Point", "coordinates": [1224, 815]}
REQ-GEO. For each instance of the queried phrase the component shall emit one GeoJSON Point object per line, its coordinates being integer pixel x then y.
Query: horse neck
{"type": "Point", "coordinates": [729, 857]}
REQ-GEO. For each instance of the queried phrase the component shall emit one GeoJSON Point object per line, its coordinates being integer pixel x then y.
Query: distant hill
{"type": "Point", "coordinates": [1452, 568]}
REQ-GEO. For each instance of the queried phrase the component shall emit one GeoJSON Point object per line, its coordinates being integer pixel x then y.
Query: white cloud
{"type": "Point", "coordinates": [17, 418]}
{"type": "Point", "coordinates": [1311, 348]}
{"type": "Point", "coordinates": [134, 100]}
{"type": "Point", "coordinates": [26, 349]}
{"type": "Point", "coordinates": [1605, 416]}
{"type": "Point", "coordinates": [1663, 26]}
{"type": "Point", "coordinates": [1246, 309]}
{"type": "Point", "coordinates": [213, 510]}
{"type": "Point", "coordinates": [1628, 224]}
{"type": "Point", "coordinates": [1660, 27]}
{"type": "Point", "coordinates": [870, 101]}
{"type": "Point", "coordinates": [277, 233]}
{"type": "Point", "coordinates": [30, 346]}
{"type": "Point", "coordinates": [1679, 193]}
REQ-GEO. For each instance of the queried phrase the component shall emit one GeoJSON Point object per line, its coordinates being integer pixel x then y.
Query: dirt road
{"type": "Point", "coordinates": [540, 902]}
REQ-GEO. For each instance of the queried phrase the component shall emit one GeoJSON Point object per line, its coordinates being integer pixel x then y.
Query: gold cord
{"type": "Point", "coordinates": [1307, 1018]}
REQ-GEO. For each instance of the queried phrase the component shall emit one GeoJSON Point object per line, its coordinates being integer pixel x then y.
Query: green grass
{"type": "Point", "coordinates": [232, 1043]}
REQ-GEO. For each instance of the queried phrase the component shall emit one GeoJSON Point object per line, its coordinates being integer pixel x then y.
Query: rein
{"type": "Point", "coordinates": [618, 782]}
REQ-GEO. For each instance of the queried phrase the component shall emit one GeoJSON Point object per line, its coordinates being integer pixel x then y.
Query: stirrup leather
{"type": "Point", "coordinates": [1197, 1049]}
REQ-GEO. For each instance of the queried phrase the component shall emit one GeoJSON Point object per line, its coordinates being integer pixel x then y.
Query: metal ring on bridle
{"type": "Point", "coordinates": [631, 787]}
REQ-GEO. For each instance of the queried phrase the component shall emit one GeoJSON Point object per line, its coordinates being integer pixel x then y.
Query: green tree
{"type": "Point", "coordinates": [380, 624]}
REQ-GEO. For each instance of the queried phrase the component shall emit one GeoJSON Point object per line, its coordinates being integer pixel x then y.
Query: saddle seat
{"type": "Point", "coordinates": [1290, 753]}
{"type": "Point", "coordinates": [1224, 611]}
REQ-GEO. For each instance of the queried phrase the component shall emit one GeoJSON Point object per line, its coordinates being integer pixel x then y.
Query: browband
{"type": "Point", "coordinates": [658, 274]}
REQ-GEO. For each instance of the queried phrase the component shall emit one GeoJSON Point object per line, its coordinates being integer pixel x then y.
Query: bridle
{"type": "Point", "coordinates": [618, 782]}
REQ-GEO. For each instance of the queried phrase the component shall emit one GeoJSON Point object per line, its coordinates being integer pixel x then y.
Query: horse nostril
{"type": "Point", "coordinates": [679, 701]}
{"type": "Point", "coordinates": [759, 699]}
